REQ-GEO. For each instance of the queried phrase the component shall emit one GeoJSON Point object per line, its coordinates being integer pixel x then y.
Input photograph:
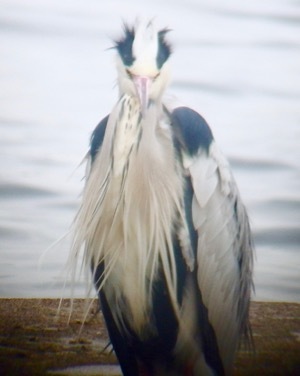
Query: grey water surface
{"type": "Point", "coordinates": [237, 63]}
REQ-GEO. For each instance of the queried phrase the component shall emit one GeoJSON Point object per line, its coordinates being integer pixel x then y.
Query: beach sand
{"type": "Point", "coordinates": [36, 340]}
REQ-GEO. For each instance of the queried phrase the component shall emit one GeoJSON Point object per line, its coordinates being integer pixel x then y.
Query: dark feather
{"type": "Point", "coordinates": [124, 46]}
{"type": "Point", "coordinates": [164, 48]}
{"type": "Point", "coordinates": [191, 130]}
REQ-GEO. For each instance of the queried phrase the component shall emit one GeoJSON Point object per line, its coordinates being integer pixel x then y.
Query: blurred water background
{"type": "Point", "coordinates": [236, 62]}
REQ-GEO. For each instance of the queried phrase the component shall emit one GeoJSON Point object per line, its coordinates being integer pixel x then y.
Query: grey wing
{"type": "Point", "coordinates": [224, 250]}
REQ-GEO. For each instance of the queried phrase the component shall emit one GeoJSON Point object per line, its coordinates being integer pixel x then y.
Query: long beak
{"type": "Point", "coordinates": [142, 84]}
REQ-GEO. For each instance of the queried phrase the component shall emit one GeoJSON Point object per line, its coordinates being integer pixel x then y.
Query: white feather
{"type": "Point", "coordinates": [203, 172]}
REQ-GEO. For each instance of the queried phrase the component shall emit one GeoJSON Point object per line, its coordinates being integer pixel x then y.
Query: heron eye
{"type": "Point", "coordinates": [155, 77]}
{"type": "Point", "coordinates": [129, 74]}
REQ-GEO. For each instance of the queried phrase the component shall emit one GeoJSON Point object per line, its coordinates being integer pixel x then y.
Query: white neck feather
{"type": "Point", "coordinates": [129, 209]}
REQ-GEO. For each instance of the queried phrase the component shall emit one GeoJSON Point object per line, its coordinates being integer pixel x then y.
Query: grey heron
{"type": "Point", "coordinates": [163, 227]}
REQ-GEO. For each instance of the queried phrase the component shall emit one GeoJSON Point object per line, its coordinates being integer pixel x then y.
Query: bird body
{"type": "Point", "coordinates": [163, 226]}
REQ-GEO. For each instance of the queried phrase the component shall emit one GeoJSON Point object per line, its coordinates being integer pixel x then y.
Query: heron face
{"type": "Point", "coordinates": [142, 63]}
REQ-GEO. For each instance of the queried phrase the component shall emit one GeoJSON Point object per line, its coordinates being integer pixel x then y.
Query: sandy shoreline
{"type": "Point", "coordinates": [34, 340]}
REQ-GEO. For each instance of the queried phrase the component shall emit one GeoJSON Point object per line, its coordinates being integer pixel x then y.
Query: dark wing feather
{"type": "Point", "coordinates": [97, 137]}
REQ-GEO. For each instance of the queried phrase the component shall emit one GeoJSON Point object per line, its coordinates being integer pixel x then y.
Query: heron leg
{"type": "Point", "coordinates": [123, 352]}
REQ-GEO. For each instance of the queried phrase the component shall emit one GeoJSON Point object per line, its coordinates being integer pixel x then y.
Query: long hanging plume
{"type": "Point", "coordinates": [153, 234]}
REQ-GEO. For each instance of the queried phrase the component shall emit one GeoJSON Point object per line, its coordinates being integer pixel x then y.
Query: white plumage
{"type": "Point", "coordinates": [163, 226]}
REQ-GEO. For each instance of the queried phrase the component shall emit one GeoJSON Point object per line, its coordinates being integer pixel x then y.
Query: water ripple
{"type": "Point", "coordinates": [234, 91]}
{"type": "Point", "coordinates": [278, 237]}
{"type": "Point", "coordinates": [9, 190]}
{"type": "Point", "coordinates": [258, 164]}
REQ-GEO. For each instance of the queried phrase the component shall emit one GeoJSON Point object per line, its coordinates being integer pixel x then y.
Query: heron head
{"type": "Point", "coordinates": [142, 62]}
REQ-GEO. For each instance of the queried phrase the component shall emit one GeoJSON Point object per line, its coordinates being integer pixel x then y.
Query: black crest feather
{"type": "Point", "coordinates": [164, 48]}
{"type": "Point", "coordinates": [124, 45]}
